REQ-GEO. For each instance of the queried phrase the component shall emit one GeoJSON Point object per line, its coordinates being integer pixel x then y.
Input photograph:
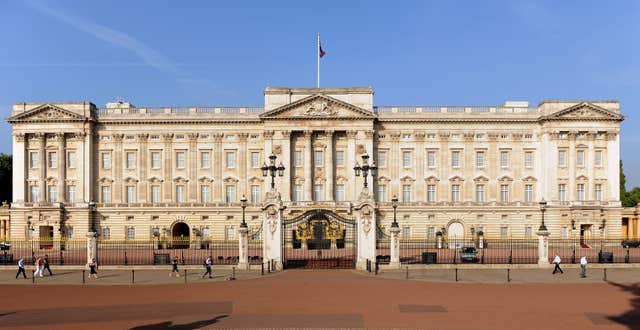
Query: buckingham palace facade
{"type": "Point", "coordinates": [130, 172]}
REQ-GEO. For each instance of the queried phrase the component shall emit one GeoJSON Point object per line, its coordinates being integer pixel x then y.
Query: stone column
{"type": "Point", "coordinates": [116, 166]}
{"type": "Point", "coordinates": [142, 170]}
{"type": "Point", "coordinates": [543, 248]}
{"type": "Point", "coordinates": [421, 193]}
{"type": "Point", "coordinates": [272, 230]}
{"type": "Point", "coordinates": [308, 166]}
{"type": "Point", "coordinates": [19, 168]}
{"type": "Point", "coordinates": [243, 253]}
{"type": "Point", "coordinates": [571, 158]}
{"type": "Point", "coordinates": [218, 194]}
{"type": "Point", "coordinates": [366, 226]}
{"type": "Point", "coordinates": [242, 162]}
{"type": "Point", "coordinates": [167, 166]}
{"type": "Point", "coordinates": [351, 190]}
{"type": "Point", "coordinates": [394, 164]}
{"type": "Point", "coordinates": [92, 246]}
{"type": "Point", "coordinates": [192, 167]}
{"type": "Point", "coordinates": [328, 164]}
{"type": "Point", "coordinates": [395, 247]}
{"type": "Point", "coordinates": [285, 182]}
{"type": "Point", "coordinates": [268, 149]}
{"type": "Point", "coordinates": [42, 186]}
{"type": "Point", "coordinates": [62, 168]}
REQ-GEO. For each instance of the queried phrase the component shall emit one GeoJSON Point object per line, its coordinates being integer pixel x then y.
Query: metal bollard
{"type": "Point", "coordinates": [508, 274]}
{"type": "Point", "coordinates": [456, 274]}
{"type": "Point", "coordinates": [406, 275]}
{"type": "Point", "coordinates": [262, 269]}
{"type": "Point", "coordinates": [133, 276]}
{"type": "Point", "coordinates": [33, 278]}
{"type": "Point", "coordinates": [269, 266]}
{"type": "Point", "coordinates": [83, 276]}
{"type": "Point", "coordinates": [185, 276]}
{"type": "Point", "coordinates": [233, 272]}
{"type": "Point", "coordinates": [605, 275]}
{"type": "Point", "coordinates": [377, 267]}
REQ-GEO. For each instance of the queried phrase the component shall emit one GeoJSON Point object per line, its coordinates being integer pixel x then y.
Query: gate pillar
{"type": "Point", "coordinates": [395, 247]}
{"type": "Point", "coordinates": [92, 246]}
{"type": "Point", "coordinates": [243, 255]}
{"type": "Point", "coordinates": [272, 229]}
{"type": "Point", "coordinates": [543, 248]}
{"type": "Point", "coordinates": [366, 227]}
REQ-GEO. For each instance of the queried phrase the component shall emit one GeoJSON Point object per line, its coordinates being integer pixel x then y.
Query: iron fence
{"type": "Point", "coordinates": [609, 250]}
{"type": "Point", "coordinates": [59, 252]}
{"type": "Point", "coordinates": [158, 252]}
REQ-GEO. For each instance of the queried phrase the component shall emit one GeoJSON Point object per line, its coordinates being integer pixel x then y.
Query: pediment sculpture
{"type": "Point", "coordinates": [320, 108]}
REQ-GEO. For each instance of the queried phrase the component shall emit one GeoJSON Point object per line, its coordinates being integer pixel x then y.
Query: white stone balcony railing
{"type": "Point", "coordinates": [453, 109]}
{"type": "Point", "coordinates": [107, 112]}
{"type": "Point", "coordinates": [173, 204]}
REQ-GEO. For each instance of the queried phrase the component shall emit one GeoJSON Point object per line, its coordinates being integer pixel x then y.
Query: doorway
{"type": "Point", "coordinates": [180, 236]}
{"type": "Point", "coordinates": [46, 237]}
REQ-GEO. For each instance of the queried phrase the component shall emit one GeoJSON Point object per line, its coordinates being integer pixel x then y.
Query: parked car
{"type": "Point", "coordinates": [469, 254]}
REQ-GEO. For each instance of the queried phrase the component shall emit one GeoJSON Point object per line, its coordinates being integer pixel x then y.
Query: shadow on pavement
{"type": "Point", "coordinates": [186, 326]}
{"type": "Point", "coordinates": [631, 318]}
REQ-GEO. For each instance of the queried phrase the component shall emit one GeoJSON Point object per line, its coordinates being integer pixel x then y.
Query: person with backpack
{"type": "Point", "coordinates": [93, 268]}
{"type": "Point", "coordinates": [174, 267]}
{"type": "Point", "coordinates": [207, 266]}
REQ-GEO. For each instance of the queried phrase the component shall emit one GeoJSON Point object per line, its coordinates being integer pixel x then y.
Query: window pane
{"type": "Point", "coordinates": [504, 159]}
{"type": "Point", "coordinates": [131, 160]}
{"type": "Point", "coordinates": [455, 159]}
{"type": "Point", "coordinates": [431, 193]}
{"type": "Point", "coordinates": [255, 194]}
{"type": "Point", "coordinates": [480, 159]}
{"type": "Point", "coordinates": [406, 193]}
{"type": "Point", "coordinates": [231, 159]}
{"type": "Point", "coordinates": [382, 193]}
{"type": "Point", "coordinates": [53, 159]}
{"type": "Point", "coordinates": [71, 161]}
{"type": "Point", "coordinates": [255, 159]}
{"type": "Point", "coordinates": [431, 159]}
{"type": "Point", "coordinates": [406, 158]}
{"type": "Point", "coordinates": [205, 194]}
{"type": "Point", "coordinates": [230, 196]}
{"type": "Point", "coordinates": [318, 192]}
{"type": "Point", "coordinates": [155, 159]}
{"type": "Point", "coordinates": [562, 158]}
{"type": "Point", "coordinates": [382, 158]}
{"type": "Point", "coordinates": [180, 159]}
{"type": "Point", "coordinates": [297, 158]}
{"type": "Point", "coordinates": [339, 158]}
{"type": "Point", "coordinates": [205, 160]}
{"type": "Point", "coordinates": [33, 159]}
{"type": "Point", "coordinates": [339, 192]}
{"type": "Point", "coordinates": [155, 194]}
{"type": "Point", "coordinates": [318, 159]}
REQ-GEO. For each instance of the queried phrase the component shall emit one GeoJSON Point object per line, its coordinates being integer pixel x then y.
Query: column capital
{"type": "Point", "coordinates": [285, 134]}
{"type": "Point", "coordinates": [352, 134]}
{"type": "Point", "coordinates": [369, 133]}
{"type": "Point", "coordinates": [40, 136]}
{"type": "Point", "coordinates": [117, 137]}
{"type": "Point", "coordinates": [329, 132]}
{"type": "Point", "coordinates": [268, 134]}
{"type": "Point", "coordinates": [20, 137]}
{"type": "Point", "coordinates": [243, 137]}
{"type": "Point", "coordinates": [167, 137]}
{"type": "Point", "coordinates": [143, 137]}
{"type": "Point", "coordinates": [395, 136]}
{"type": "Point", "coordinates": [419, 136]}
{"type": "Point", "coordinates": [192, 137]}
{"type": "Point", "coordinates": [308, 134]}
{"type": "Point", "coordinates": [217, 136]}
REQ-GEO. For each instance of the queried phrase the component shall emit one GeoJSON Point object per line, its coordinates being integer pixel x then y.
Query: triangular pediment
{"type": "Point", "coordinates": [46, 112]}
{"type": "Point", "coordinates": [318, 106]}
{"type": "Point", "coordinates": [585, 111]}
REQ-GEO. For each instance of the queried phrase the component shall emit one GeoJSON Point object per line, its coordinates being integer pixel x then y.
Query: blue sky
{"type": "Point", "coordinates": [169, 53]}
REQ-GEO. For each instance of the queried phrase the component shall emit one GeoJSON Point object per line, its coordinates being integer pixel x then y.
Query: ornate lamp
{"type": "Point", "coordinates": [543, 206]}
{"type": "Point", "coordinates": [365, 168]}
{"type": "Point", "coordinates": [243, 204]}
{"type": "Point", "coordinates": [394, 204]}
{"type": "Point", "coordinates": [271, 169]}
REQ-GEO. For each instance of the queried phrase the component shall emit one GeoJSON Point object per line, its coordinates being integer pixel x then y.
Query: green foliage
{"type": "Point", "coordinates": [628, 198]}
{"type": "Point", "coordinates": [5, 177]}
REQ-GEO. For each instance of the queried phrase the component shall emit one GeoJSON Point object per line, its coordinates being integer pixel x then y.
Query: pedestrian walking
{"type": "Point", "coordinates": [556, 262]}
{"type": "Point", "coordinates": [46, 264]}
{"type": "Point", "coordinates": [174, 267]}
{"type": "Point", "coordinates": [93, 268]}
{"type": "Point", "coordinates": [39, 267]}
{"type": "Point", "coordinates": [21, 268]}
{"type": "Point", "coordinates": [207, 266]}
{"type": "Point", "coordinates": [583, 266]}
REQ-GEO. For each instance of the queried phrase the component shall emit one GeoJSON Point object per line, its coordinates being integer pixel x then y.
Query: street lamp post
{"type": "Point", "coordinates": [271, 169]}
{"type": "Point", "coordinates": [243, 204]}
{"type": "Point", "coordinates": [365, 168]}
{"type": "Point", "coordinates": [92, 210]}
{"type": "Point", "coordinates": [604, 222]}
{"type": "Point", "coordinates": [543, 206]}
{"type": "Point", "coordinates": [394, 204]}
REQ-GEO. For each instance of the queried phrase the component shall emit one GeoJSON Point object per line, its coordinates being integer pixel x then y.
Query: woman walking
{"type": "Point", "coordinates": [93, 268]}
{"type": "Point", "coordinates": [174, 267]}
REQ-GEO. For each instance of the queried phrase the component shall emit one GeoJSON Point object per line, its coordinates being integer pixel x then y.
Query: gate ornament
{"type": "Point", "coordinates": [333, 231]}
{"type": "Point", "coordinates": [272, 220]}
{"type": "Point", "coordinates": [304, 231]}
{"type": "Point", "coordinates": [366, 220]}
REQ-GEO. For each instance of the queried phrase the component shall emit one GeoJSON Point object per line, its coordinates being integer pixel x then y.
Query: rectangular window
{"type": "Point", "coordinates": [53, 159]}
{"type": "Point", "coordinates": [504, 232]}
{"type": "Point", "coordinates": [106, 233]}
{"type": "Point", "coordinates": [597, 158]}
{"type": "Point", "coordinates": [131, 194]}
{"type": "Point", "coordinates": [406, 158]}
{"type": "Point", "coordinates": [255, 194]}
{"type": "Point", "coordinates": [71, 159]}
{"type": "Point", "coordinates": [580, 158]}
{"type": "Point", "coordinates": [455, 192]}
{"type": "Point", "coordinates": [480, 193]}
{"type": "Point", "coordinates": [230, 233]}
{"type": "Point", "coordinates": [155, 159]}
{"type": "Point", "coordinates": [33, 159]}
{"type": "Point", "coordinates": [155, 194]}
{"type": "Point", "coordinates": [504, 193]}
{"type": "Point", "coordinates": [297, 192]}
{"type": "Point", "coordinates": [580, 188]}
{"type": "Point", "coordinates": [318, 159]}
{"type": "Point", "coordinates": [340, 192]}
{"type": "Point", "coordinates": [106, 194]}
{"type": "Point", "coordinates": [318, 192]}
{"type": "Point", "coordinates": [562, 158]}
{"type": "Point", "coordinates": [562, 192]}
{"type": "Point", "coordinates": [431, 159]}
{"type": "Point", "coordinates": [382, 193]}
{"type": "Point", "coordinates": [455, 159]}
{"type": "Point", "coordinates": [130, 160]}
{"type": "Point", "coordinates": [71, 194]}
{"type": "Point", "coordinates": [53, 194]}
{"type": "Point", "coordinates": [297, 158]}
{"type": "Point", "coordinates": [382, 159]}
{"type": "Point", "coordinates": [205, 193]}
{"type": "Point", "coordinates": [230, 195]}
{"type": "Point", "coordinates": [231, 159]}
{"type": "Point", "coordinates": [528, 193]}
{"type": "Point", "coordinates": [180, 159]}
{"type": "Point", "coordinates": [406, 193]}
{"type": "Point", "coordinates": [504, 159]}
{"type": "Point", "coordinates": [106, 160]}
{"type": "Point", "coordinates": [205, 159]}
{"type": "Point", "coordinates": [431, 193]}
{"type": "Point", "coordinates": [406, 231]}
{"type": "Point", "coordinates": [33, 194]}
{"type": "Point", "coordinates": [528, 232]}
{"type": "Point", "coordinates": [598, 192]}
{"type": "Point", "coordinates": [339, 158]}
{"type": "Point", "coordinates": [480, 159]}
{"type": "Point", "coordinates": [528, 159]}
{"type": "Point", "coordinates": [131, 233]}
{"type": "Point", "coordinates": [255, 159]}
{"type": "Point", "coordinates": [431, 232]}
{"type": "Point", "coordinates": [180, 193]}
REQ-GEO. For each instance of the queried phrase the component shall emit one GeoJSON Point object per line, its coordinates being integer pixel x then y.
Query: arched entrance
{"type": "Point", "coordinates": [455, 235]}
{"type": "Point", "coordinates": [180, 236]}
{"type": "Point", "coordinates": [319, 239]}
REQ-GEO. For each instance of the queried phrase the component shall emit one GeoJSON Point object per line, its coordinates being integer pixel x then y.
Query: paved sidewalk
{"type": "Point", "coordinates": [571, 275]}
{"type": "Point", "coordinates": [123, 277]}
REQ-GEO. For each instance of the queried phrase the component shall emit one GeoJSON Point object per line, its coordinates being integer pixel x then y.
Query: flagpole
{"type": "Point", "coordinates": [318, 56]}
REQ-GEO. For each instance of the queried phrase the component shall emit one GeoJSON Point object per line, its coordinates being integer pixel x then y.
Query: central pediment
{"type": "Point", "coordinates": [585, 111]}
{"type": "Point", "coordinates": [318, 106]}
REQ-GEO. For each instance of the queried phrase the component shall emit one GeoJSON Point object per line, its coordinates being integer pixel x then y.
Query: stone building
{"type": "Point", "coordinates": [135, 172]}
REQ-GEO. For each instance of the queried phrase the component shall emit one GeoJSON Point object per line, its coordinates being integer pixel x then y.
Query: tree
{"type": "Point", "coordinates": [628, 198]}
{"type": "Point", "coordinates": [6, 176]}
